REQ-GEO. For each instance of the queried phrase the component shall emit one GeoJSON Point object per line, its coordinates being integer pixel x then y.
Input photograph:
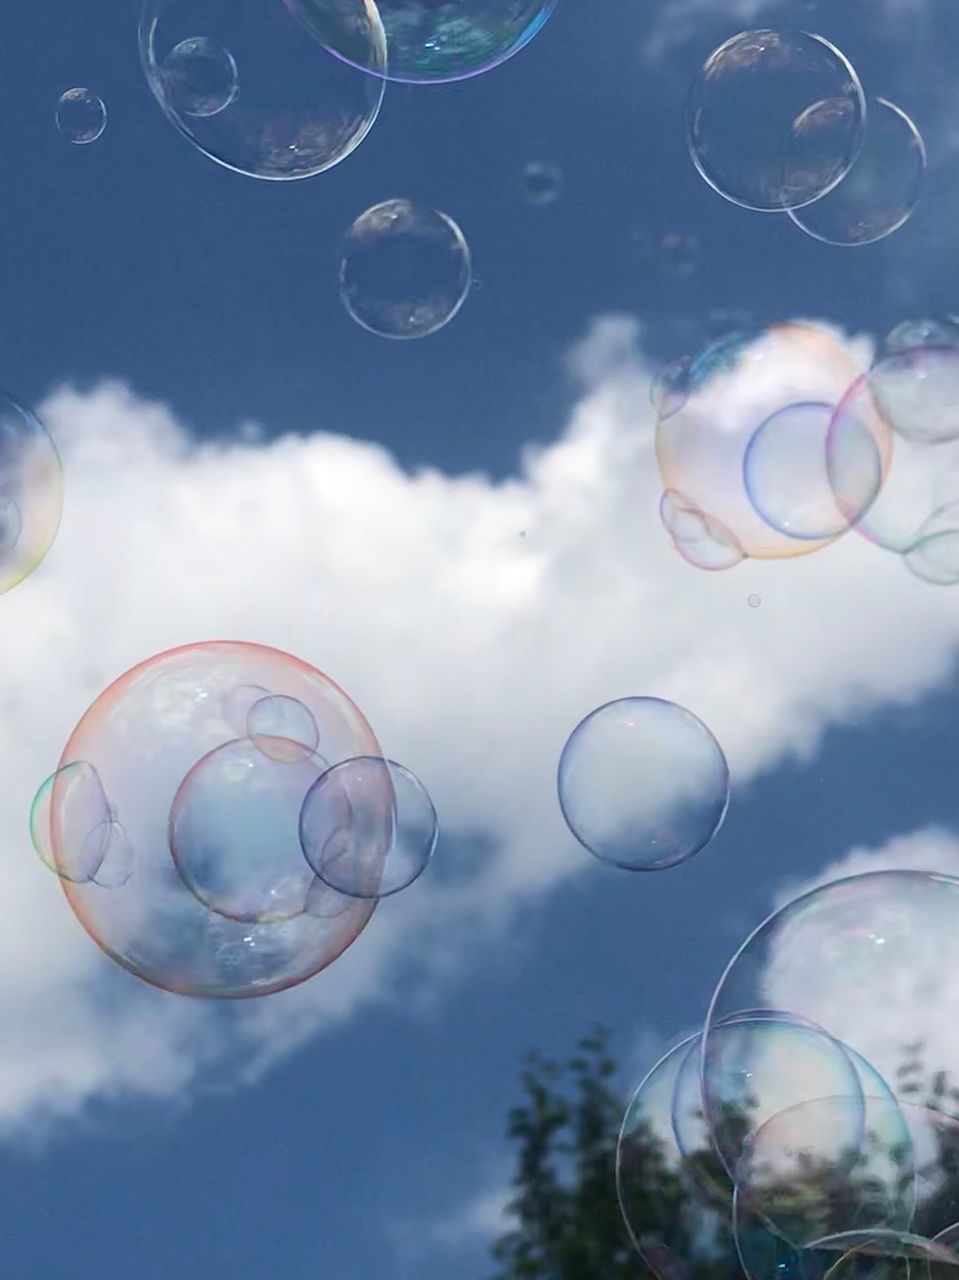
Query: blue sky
{"type": "Point", "coordinates": [154, 306]}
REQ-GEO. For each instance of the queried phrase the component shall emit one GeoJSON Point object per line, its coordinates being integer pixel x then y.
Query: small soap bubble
{"type": "Point", "coordinates": [643, 784]}
{"type": "Point", "coordinates": [405, 270]}
{"type": "Point", "coordinates": [200, 77]}
{"type": "Point", "coordinates": [284, 725]}
{"type": "Point", "coordinates": [754, 601]}
{"type": "Point", "coordinates": [81, 116]}
{"type": "Point", "coordinates": [542, 182]}
{"type": "Point", "coordinates": [75, 848]}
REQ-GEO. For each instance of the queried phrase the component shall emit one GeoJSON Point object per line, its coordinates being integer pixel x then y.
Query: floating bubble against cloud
{"type": "Point", "coordinates": [881, 190]}
{"type": "Point", "coordinates": [249, 87]}
{"type": "Point", "coordinates": [81, 116]}
{"type": "Point", "coordinates": [699, 538]}
{"type": "Point", "coordinates": [282, 727]}
{"type": "Point", "coordinates": [934, 556]}
{"type": "Point", "coordinates": [405, 270]}
{"type": "Point", "coordinates": [775, 119]}
{"type": "Point", "coordinates": [754, 601]}
{"type": "Point", "coordinates": [917, 392]}
{"type": "Point", "coordinates": [159, 739]}
{"type": "Point", "coordinates": [82, 811]}
{"type": "Point", "coordinates": [643, 784]}
{"type": "Point", "coordinates": [731, 389]}
{"type": "Point", "coordinates": [787, 477]}
{"type": "Point", "coordinates": [911, 334]}
{"type": "Point", "coordinates": [344, 839]}
{"type": "Point", "coordinates": [542, 182]}
{"type": "Point", "coordinates": [427, 43]}
{"type": "Point", "coordinates": [31, 492]}
{"type": "Point", "coordinates": [199, 77]}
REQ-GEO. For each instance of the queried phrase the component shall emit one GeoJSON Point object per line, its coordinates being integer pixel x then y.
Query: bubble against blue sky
{"type": "Point", "coordinates": [31, 491]}
{"type": "Point", "coordinates": [249, 87]}
{"type": "Point", "coordinates": [405, 269]}
{"type": "Point", "coordinates": [643, 784]}
{"type": "Point", "coordinates": [81, 115]}
{"type": "Point", "coordinates": [882, 188]}
{"type": "Point", "coordinates": [542, 182]}
{"type": "Point", "coordinates": [426, 42]}
{"type": "Point", "coordinates": [775, 119]}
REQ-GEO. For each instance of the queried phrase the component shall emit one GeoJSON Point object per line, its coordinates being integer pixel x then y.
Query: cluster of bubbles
{"type": "Point", "coordinates": [643, 784]}
{"type": "Point", "coordinates": [793, 1136]}
{"type": "Point", "coordinates": [777, 121]}
{"type": "Point", "coordinates": [223, 821]}
{"type": "Point", "coordinates": [774, 443]}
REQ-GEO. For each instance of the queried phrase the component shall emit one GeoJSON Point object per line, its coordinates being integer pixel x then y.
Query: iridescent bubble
{"type": "Point", "coordinates": [917, 392]}
{"type": "Point", "coordinates": [787, 479]}
{"type": "Point", "coordinates": [144, 737]}
{"type": "Point", "coordinates": [405, 270]}
{"type": "Point", "coordinates": [81, 116]}
{"type": "Point", "coordinates": [31, 492]}
{"type": "Point", "coordinates": [427, 42]}
{"type": "Point", "coordinates": [643, 784]}
{"type": "Point", "coordinates": [248, 86]}
{"type": "Point", "coordinates": [775, 119]}
{"type": "Point", "coordinates": [733, 388]}
{"type": "Point", "coordinates": [75, 848]}
{"type": "Point", "coordinates": [699, 538]}
{"type": "Point", "coordinates": [879, 193]}
{"type": "Point", "coordinates": [199, 77]}
{"type": "Point", "coordinates": [542, 182]}
{"type": "Point", "coordinates": [342, 835]}
{"type": "Point", "coordinates": [282, 727]}
{"type": "Point", "coordinates": [934, 556]}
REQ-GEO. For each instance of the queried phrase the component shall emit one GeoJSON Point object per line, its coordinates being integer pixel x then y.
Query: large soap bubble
{"type": "Point", "coordinates": [775, 119]}
{"type": "Point", "coordinates": [718, 407]}
{"type": "Point", "coordinates": [159, 742]}
{"type": "Point", "coordinates": [428, 41]}
{"type": "Point", "coordinates": [879, 193]}
{"type": "Point", "coordinates": [244, 82]}
{"type": "Point", "coordinates": [81, 116]}
{"type": "Point", "coordinates": [31, 492]}
{"type": "Point", "coordinates": [405, 270]}
{"type": "Point", "coordinates": [643, 784]}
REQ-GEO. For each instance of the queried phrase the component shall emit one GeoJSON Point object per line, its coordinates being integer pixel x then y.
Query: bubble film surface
{"type": "Point", "coordinates": [81, 116]}
{"type": "Point", "coordinates": [31, 492]}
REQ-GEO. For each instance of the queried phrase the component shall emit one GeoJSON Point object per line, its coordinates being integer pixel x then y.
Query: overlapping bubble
{"type": "Point", "coordinates": [174, 820]}
{"type": "Point", "coordinates": [31, 492]}
{"type": "Point", "coordinates": [248, 86]}
{"type": "Point", "coordinates": [643, 784]}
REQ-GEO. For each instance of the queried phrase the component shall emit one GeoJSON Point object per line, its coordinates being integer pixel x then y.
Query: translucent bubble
{"type": "Point", "coordinates": [699, 538]}
{"type": "Point", "coordinates": [754, 601]}
{"type": "Point", "coordinates": [542, 182]}
{"type": "Point", "coordinates": [405, 270]}
{"type": "Point", "coordinates": [670, 386]}
{"type": "Point", "coordinates": [81, 116]}
{"type": "Point", "coordinates": [934, 556]}
{"type": "Point", "coordinates": [917, 392]}
{"type": "Point", "coordinates": [118, 859]}
{"type": "Point", "coordinates": [246, 85]}
{"type": "Point", "coordinates": [879, 193]}
{"type": "Point", "coordinates": [342, 836]}
{"type": "Point", "coordinates": [877, 1254]}
{"type": "Point", "coordinates": [919, 479]}
{"type": "Point", "coordinates": [282, 727]}
{"type": "Point", "coordinates": [764, 1255]}
{"type": "Point", "coordinates": [775, 119]}
{"type": "Point", "coordinates": [31, 492]}
{"type": "Point", "coordinates": [237, 705]}
{"type": "Point", "coordinates": [733, 388]}
{"type": "Point", "coordinates": [74, 849]}
{"type": "Point", "coordinates": [910, 334]}
{"type": "Point", "coordinates": [864, 958]}
{"type": "Point", "coordinates": [643, 784]}
{"type": "Point", "coordinates": [199, 77]}
{"type": "Point", "coordinates": [787, 479]}
{"type": "Point", "coordinates": [426, 42]}
{"type": "Point", "coordinates": [679, 254]}
{"type": "Point", "coordinates": [143, 736]}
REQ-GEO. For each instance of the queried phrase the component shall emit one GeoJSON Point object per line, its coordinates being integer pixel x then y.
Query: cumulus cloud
{"type": "Point", "coordinates": [474, 622]}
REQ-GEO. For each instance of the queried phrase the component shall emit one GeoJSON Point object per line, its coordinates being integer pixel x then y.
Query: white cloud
{"type": "Point", "coordinates": [472, 648]}
{"type": "Point", "coordinates": [483, 1217]}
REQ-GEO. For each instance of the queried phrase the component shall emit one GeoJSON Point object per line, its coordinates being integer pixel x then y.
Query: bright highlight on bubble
{"type": "Point", "coordinates": [248, 86]}
{"type": "Point", "coordinates": [427, 43]}
{"type": "Point", "coordinates": [405, 270]}
{"type": "Point", "coordinates": [643, 784]}
{"type": "Point", "coordinates": [775, 119]}
{"type": "Point", "coordinates": [81, 116]}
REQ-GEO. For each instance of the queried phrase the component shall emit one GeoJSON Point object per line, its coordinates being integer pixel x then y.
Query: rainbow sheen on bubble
{"type": "Point", "coordinates": [405, 270]}
{"type": "Point", "coordinates": [643, 784]}
{"type": "Point", "coordinates": [427, 41]}
{"type": "Point", "coordinates": [775, 119]}
{"type": "Point", "coordinates": [81, 116]}
{"type": "Point", "coordinates": [248, 87]}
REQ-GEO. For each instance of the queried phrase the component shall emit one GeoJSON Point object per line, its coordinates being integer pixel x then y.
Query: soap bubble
{"type": "Point", "coordinates": [199, 77]}
{"type": "Point", "coordinates": [244, 83]}
{"type": "Point", "coordinates": [911, 334]}
{"type": "Point", "coordinates": [542, 182]}
{"type": "Point", "coordinates": [879, 193]}
{"type": "Point", "coordinates": [787, 479]}
{"type": "Point", "coordinates": [405, 270]}
{"type": "Point", "coordinates": [31, 492]}
{"type": "Point", "coordinates": [145, 737]}
{"type": "Point", "coordinates": [344, 839]}
{"type": "Point", "coordinates": [426, 42]}
{"type": "Point", "coordinates": [934, 556]}
{"type": "Point", "coordinates": [82, 811]}
{"type": "Point", "coordinates": [81, 116]}
{"type": "Point", "coordinates": [699, 538]}
{"type": "Point", "coordinates": [643, 784]}
{"type": "Point", "coordinates": [282, 727]}
{"type": "Point", "coordinates": [763, 1254]}
{"type": "Point", "coordinates": [917, 392]}
{"type": "Point", "coordinates": [775, 119]}
{"type": "Point", "coordinates": [732, 388]}
{"type": "Point", "coordinates": [754, 601]}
